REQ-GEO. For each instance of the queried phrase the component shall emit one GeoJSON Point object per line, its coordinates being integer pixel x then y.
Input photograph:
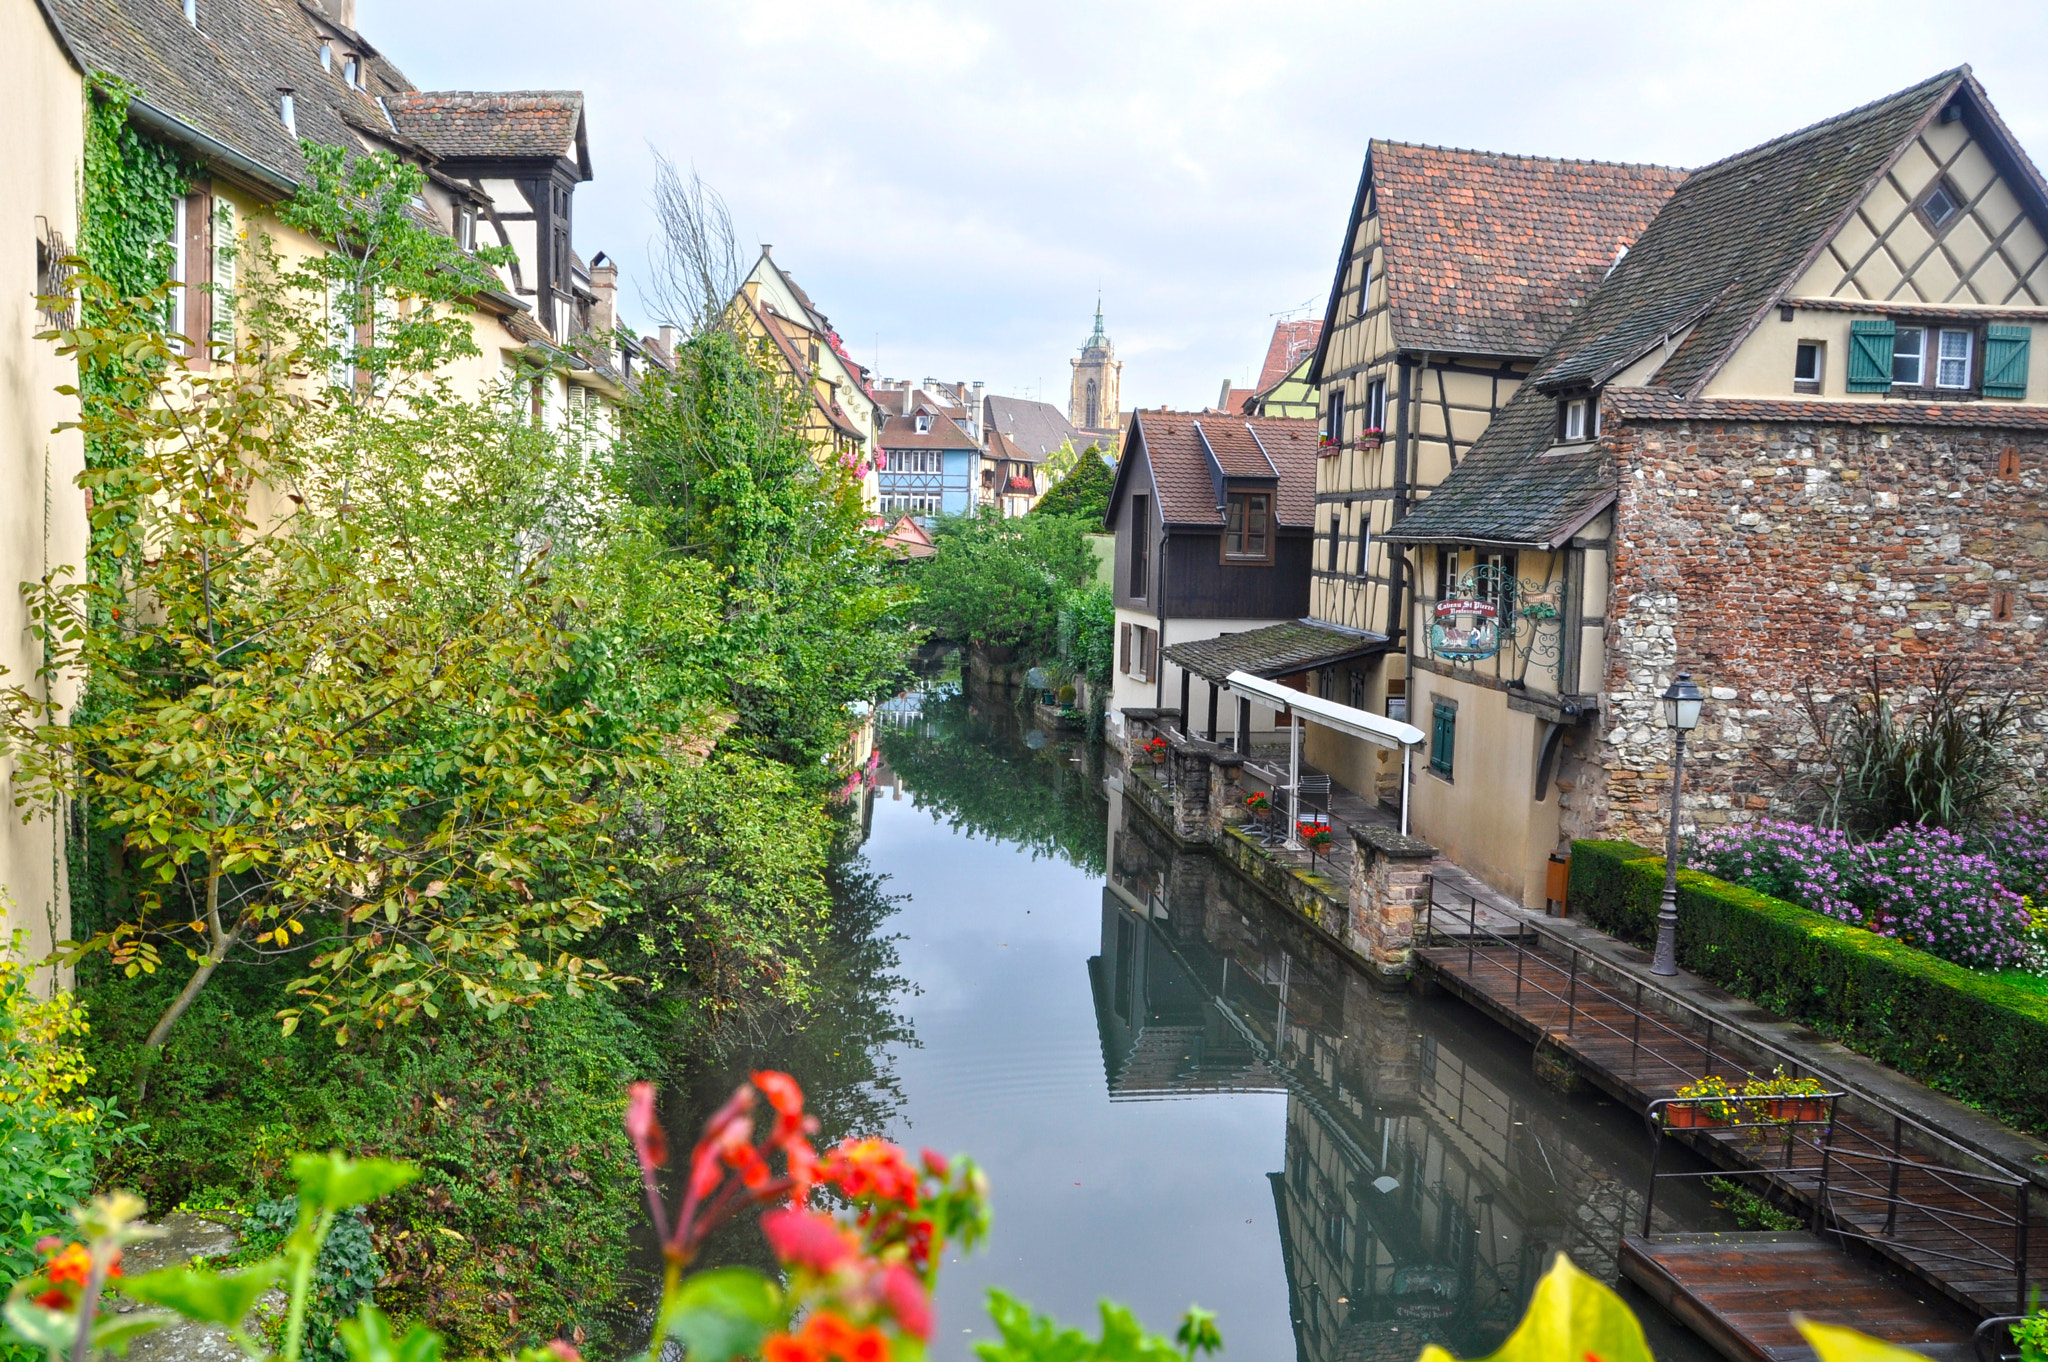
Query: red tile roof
{"type": "Point", "coordinates": [900, 432]}
{"type": "Point", "coordinates": [1661, 404]}
{"type": "Point", "coordinates": [465, 123]}
{"type": "Point", "coordinates": [1260, 446]}
{"type": "Point", "coordinates": [1291, 344]}
{"type": "Point", "coordinates": [1488, 254]}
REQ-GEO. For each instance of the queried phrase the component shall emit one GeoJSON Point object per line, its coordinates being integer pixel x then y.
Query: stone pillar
{"type": "Point", "coordinates": [1390, 879]}
{"type": "Point", "coordinates": [1226, 791]}
{"type": "Point", "coordinates": [1188, 758]}
{"type": "Point", "coordinates": [1142, 723]}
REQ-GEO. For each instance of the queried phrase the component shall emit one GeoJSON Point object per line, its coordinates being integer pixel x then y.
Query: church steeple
{"type": "Point", "coordinates": [1094, 407]}
{"type": "Point", "coordinates": [1097, 341]}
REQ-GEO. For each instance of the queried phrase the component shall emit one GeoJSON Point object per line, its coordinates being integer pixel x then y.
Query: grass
{"type": "Point", "coordinates": [1751, 1211]}
{"type": "Point", "coordinates": [2021, 979]}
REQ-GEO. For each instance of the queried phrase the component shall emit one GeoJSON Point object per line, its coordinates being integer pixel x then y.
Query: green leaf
{"type": "Point", "coordinates": [1570, 1316]}
{"type": "Point", "coordinates": [203, 1294]}
{"type": "Point", "coordinates": [724, 1313]}
{"type": "Point", "coordinates": [1832, 1343]}
{"type": "Point", "coordinates": [41, 1326]}
{"type": "Point", "coordinates": [335, 1182]}
{"type": "Point", "coordinates": [115, 1333]}
{"type": "Point", "coordinates": [369, 1337]}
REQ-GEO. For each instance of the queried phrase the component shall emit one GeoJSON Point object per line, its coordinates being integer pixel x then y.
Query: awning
{"type": "Point", "coordinates": [1276, 650]}
{"type": "Point", "coordinates": [1358, 723]}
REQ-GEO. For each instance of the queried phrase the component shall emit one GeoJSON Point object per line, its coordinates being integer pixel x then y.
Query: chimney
{"type": "Point", "coordinates": [668, 343]}
{"type": "Point", "coordinates": [604, 282]}
{"type": "Point", "coordinates": [909, 397]}
{"type": "Point", "coordinates": [975, 413]}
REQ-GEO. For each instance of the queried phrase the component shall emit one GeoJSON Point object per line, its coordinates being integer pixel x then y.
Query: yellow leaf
{"type": "Point", "coordinates": [1570, 1316]}
{"type": "Point", "coordinates": [1833, 1343]}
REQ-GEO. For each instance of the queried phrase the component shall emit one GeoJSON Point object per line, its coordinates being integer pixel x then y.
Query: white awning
{"type": "Point", "coordinates": [1358, 723]}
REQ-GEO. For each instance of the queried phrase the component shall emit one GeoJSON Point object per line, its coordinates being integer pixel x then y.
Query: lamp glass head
{"type": "Point", "coordinates": [1682, 700]}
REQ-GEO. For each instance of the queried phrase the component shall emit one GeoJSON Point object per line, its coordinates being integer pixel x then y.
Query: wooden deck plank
{"type": "Point", "coordinates": [1740, 1292]}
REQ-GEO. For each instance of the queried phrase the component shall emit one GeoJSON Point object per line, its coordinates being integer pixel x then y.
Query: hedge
{"type": "Point", "coordinates": [1950, 1027]}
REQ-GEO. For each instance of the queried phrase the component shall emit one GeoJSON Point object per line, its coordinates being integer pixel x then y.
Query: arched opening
{"type": "Point", "coordinates": [1091, 422]}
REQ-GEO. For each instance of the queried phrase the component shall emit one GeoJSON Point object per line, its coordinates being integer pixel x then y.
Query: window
{"type": "Point", "coordinates": [1246, 534]}
{"type": "Point", "coordinates": [465, 228]}
{"type": "Point", "coordinates": [1141, 546]}
{"type": "Point", "coordinates": [1364, 564]}
{"type": "Point", "coordinates": [1336, 532]}
{"type": "Point", "coordinates": [1940, 205]}
{"type": "Point", "coordinates": [1806, 367]}
{"type": "Point", "coordinates": [286, 114]}
{"type": "Point", "coordinates": [1446, 574]}
{"type": "Point", "coordinates": [352, 72]}
{"type": "Point", "coordinates": [924, 424]}
{"type": "Point", "coordinates": [327, 56]}
{"type": "Point", "coordinates": [1376, 404]}
{"type": "Point", "coordinates": [1333, 426]}
{"type": "Point", "coordinates": [181, 265]}
{"type": "Point", "coordinates": [1138, 649]}
{"type": "Point", "coordinates": [1358, 690]}
{"type": "Point", "coordinates": [1497, 584]}
{"type": "Point", "coordinates": [1443, 737]}
{"type": "Point", "coordinates": [224, 254]}
{"type": "Point", "coordinates": [1909, 357]}
{"type": "Point", "coordinates": [1365, 284]}
{"type": "Point", "coordinates": [1091, 422]}
{"type": "Point", "coordinates": [1572, 418]}
{"type": "Point", "coordinates": [1952, 367]}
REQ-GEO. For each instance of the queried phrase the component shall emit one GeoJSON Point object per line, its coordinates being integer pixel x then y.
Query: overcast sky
{"type": "Point", "coordinates": [952, 183]}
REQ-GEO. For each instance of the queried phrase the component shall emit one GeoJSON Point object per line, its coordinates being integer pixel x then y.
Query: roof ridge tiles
{"type": "Point", "coordinates": [1871, 109]}
{"type": "Point", "coordinates": [1526, 156]}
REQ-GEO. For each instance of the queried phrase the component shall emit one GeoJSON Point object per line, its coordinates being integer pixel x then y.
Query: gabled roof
{"type": "Point", "coordinates": [1292, 343]}
{"type": "Point", "coordinates": [1037, 427]}
{"type": "Point", "coordinates": [1742, 231]}
{"type": "Point", "coordinates": [1487, 254]}
{"type": "Point", "coordinates": [1284, 649]}
{"type": "Point", "coordinates": [476, 125]}
{"type": "Point", "coordinates": [1184, 478]}
{"type": "Point", "coordinates": [900, 432]}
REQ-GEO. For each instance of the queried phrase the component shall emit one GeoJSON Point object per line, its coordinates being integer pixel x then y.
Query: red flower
{"type": "Point", "coordinates": [906, 1299]}
{"type": "Point", "coordinates": [935, 1163]}
{"type": "Point", "coordinates": [868, 1346]}
{"type": "Point", "coordinates": [807, 1239]}
{"type": "Point", "coordinates": [564, 1352]}
{"type": "Point", "coordinates": [650, 1141]}
{"type": "Point", "coordinates": [72, 1264]}
{"type": "Point", "coordinates": [872, 1168]}
{"type": "Point", "coordinates": [783, 1348]}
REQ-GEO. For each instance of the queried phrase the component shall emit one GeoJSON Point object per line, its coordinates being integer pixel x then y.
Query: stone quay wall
{"type": "Point", "coordinates": [1781, 561]}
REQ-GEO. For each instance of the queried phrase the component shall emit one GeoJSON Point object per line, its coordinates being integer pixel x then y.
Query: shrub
{"type": "Point", "coordinates": [1812, 867]}
{"type": "Point", "coordinates": [2020, 846]}
{"type": "Point", "coordinates": [1925, 887]}
{"type": "Point", "coordinates": [1946, 1025]}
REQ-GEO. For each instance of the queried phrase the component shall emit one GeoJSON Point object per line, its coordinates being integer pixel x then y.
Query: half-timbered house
{"type": "Point", "coordinates": [1212, 515]}
{"type": "Point", "coordinates": [1457, 269]}
{"type": "Point", "coordinates": [929, 463]}
{"type": "Point", "coordinates": [1799, 433]}
{"type": "Point", "coordinates": [794, 336]}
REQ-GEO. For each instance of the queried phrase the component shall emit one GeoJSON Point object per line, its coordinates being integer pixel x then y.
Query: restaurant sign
{"type": "Point", "coordinates": [1464, 630]}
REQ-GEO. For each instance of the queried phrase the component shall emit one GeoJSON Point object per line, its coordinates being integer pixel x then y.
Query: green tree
{"type": "Point", "coordinates": [1084, 492]}
{"type": "Point", "coordinates": [1000, 582]}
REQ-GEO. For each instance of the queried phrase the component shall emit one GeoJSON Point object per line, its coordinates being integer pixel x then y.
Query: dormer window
{"type": "Point", "coordinates": [352, 72]}
{"type": "Point", "coordinates": [1576, 419]}
{"type": "Point", "coordinates": [286, 113]}
{"type": "Point", "coordinates": [192, 12]}
{"type": "Point", "coordinates": [1940, 204]}
{"type": "Point", "coordinates": [327, 56]}
{"type": "Point", "coordinates": [465, 228]}
{"type": "Point", "coordinates": [924, 423]}
{"type": "Point", "coordinates": [1247, 535]}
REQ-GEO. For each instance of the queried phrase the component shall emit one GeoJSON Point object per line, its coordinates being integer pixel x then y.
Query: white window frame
{"type": "Point", "coordinates": [181, 269]}
{"type": "Point", "coordinates": [1942, 358]}
{"type": "Point", "coordinates": [1918, 354]}
{"type": "Point", "coordinates": [1575, 411]}
{"type": "Point", "coordinates": [1820, 363]}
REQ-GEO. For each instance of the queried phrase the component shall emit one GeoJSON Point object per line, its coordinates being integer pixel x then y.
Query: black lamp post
{"type": "Point", "coordinates": [1681, 715]}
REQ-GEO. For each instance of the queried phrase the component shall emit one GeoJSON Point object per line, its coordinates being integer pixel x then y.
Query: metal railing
{"type": "Point", "coordinates": [1868, 1185]}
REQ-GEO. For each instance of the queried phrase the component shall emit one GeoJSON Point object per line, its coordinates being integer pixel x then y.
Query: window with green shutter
{"type": "Point", "coordinates": [2005, 360]}
{"type": "Point", "coordinates": [1443, 737]}
{"type": "Point", "coordinates": [1870, 356]}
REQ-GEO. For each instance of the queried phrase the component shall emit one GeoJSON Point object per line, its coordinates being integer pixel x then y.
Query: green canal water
{"type": "Point", "coordinates": [1180, 1094]}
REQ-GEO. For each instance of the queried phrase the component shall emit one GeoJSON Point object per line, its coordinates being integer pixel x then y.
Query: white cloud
{"type": "Point", "coordinates": [955, 181]}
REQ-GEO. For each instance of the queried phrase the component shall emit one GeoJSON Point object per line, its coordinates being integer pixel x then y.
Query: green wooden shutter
{"type": "Point", "coordinates": [1443, 739]}
{"type": "Point", "coordinates": [2005, 360]}
{"type": "Point", "coordinates": [1870, 356]}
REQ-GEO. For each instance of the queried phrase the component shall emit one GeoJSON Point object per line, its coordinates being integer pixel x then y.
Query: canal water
{"type": "Point", "coordinates": [1181, 1094]}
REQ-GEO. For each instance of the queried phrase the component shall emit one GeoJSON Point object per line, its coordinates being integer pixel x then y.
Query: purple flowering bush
{"type": "Point", "coordinates": [2019, 843]}
{"type": "Point", "coordinates": [1924, 886]}
{"type": "Point", "coordinates": [1812, 867]}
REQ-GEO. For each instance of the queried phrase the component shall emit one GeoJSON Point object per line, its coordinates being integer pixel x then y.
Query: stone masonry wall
{"type": "Point", "coordinates": [1765, 558]}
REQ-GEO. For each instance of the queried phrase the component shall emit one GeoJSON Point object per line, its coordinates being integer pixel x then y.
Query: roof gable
{"type": "Point", "coordinates": [1736, 236]}
{"type": "Point", "coordinates": [1484, 253]}
{"type": "Point", "coordinates": [461, 125]}
{"type": "Point", "coordinates": [1185, 451]}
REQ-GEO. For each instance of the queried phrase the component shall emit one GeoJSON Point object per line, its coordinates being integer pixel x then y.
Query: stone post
{"type": "Point", "coordinates": [1226, 798]}
{"type": "Point", "coordinates": [1390, 879]}
{"type": "Point", "coordinates": [1189, 760]}
{"type": "Point", "coordinates": [1141, 724]}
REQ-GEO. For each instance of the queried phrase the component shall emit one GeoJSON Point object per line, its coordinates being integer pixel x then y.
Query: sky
{"type": "Point", "coordinates": [954, 183]}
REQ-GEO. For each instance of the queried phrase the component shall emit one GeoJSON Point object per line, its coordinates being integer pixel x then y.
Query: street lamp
{"type": "Point", "coordinates": [1681, 715]}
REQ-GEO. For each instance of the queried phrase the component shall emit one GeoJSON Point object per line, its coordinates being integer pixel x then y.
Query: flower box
{"type": "Point", "coordinates": [1687, 1117]}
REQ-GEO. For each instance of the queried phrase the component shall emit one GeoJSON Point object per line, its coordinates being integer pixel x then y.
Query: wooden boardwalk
{"type": "Point", "coordinates": [1959, 1226]}
{"type": "Point", "coordinates": [1739, 1292]}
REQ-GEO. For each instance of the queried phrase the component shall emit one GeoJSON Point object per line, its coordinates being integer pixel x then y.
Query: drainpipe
{"type": "Point", "coordinates": [1159, 665]}
{"type": "Point", "coordinates": [1407, 751]}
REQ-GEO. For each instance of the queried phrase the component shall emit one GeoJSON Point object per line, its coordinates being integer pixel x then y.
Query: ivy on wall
{"type": "Point", "coordinates": [127, 212]}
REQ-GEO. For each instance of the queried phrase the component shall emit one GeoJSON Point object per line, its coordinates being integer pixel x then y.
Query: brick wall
{"type": "Point", "coordinates": [1763, 558]}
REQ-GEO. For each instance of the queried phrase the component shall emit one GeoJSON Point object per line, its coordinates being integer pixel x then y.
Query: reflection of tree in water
{"type": "Point", "coordinates": [838, 1049]}
{"type": "Point", "coordinates": [971, 760]}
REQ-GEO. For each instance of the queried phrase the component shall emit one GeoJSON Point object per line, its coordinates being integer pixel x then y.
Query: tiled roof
{"type": "Point", "coordinates": [1275, 650]}
{"type": "Point", "coordinates": [466, 124]}
{"type": "Point", "coordinates": [1732, 239]}
{"type": "Point", "coordinates": [1039, 428]}
{"type": "Point", "coordinates": [1511, 488]}
{"type": "Point", "coordinates": [1233, 399]}
{"type": "Point", "coordinates": [1660, 404]}
{"type": "Point", "coordinates": [1235, 449]}
{"type": "Point", "coordinates": [1180, 464]}
{"type": "Point", "coordinates": [1292, 342]}
{"type": "Point", "coordinates": [1488, 254]}
{"type": "Point", "coordinates": [900, 432]}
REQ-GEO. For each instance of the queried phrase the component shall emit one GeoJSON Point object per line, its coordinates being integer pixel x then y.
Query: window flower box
{"type": "Point", "coordinates": [1370, 438]}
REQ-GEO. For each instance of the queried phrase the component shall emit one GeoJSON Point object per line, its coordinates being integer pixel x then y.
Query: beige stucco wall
{"type": "Point", "coordinates": [42, 512]}
{"type": "Point", "coordinates": [1128, 693]}
{"type": "Point", "coordinates": [1483, 817]}
{"type": "Point", "coordinates": [1762, 365]}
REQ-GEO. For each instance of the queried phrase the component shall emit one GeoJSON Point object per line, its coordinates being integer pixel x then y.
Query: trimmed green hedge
{"type": "Point", "coordinates": [1968, 1035]}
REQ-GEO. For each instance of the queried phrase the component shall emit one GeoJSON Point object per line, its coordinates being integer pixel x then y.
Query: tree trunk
{"type": "Point", "coordinates": [223, 942]}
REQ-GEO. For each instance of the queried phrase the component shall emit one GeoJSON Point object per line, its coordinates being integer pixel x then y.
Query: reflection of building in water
{"type": "Point", "coordinates": [1428, 1177]}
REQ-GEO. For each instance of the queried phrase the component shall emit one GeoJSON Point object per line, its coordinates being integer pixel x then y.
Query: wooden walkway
{"type": "Point", "coordinates": [1957, 1224]}
{"type": "Point", "coordinates": [1739, 1292]}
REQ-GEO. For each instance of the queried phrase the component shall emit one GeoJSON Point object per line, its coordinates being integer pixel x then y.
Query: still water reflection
{"type": "Point", "coordinates": [1181, 1094]}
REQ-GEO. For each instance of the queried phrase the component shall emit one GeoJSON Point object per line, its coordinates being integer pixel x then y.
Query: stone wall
{"type": "Point", "coordinates": [1768, 559]}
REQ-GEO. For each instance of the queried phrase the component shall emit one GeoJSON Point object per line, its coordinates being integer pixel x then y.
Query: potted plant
{"type": "Point", "coordinates": [1690, 1110]}
{"type": "Point", "coordinates": [1370, 437]}
{"type": "Point", "coordinates": [1779, 1098]}
{"type": "Point", "coordinates": [1259, 802]}
{"type": "Point", "coordinates": [1156, 749]}
{"type": "Point", "coordinates": [1317, 837]}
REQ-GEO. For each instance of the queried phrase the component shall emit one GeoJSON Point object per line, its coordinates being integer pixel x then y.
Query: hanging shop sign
{"type": "Point", "coordinates": [1465, 630]}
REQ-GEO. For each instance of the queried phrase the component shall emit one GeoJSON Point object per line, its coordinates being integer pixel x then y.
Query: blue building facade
{"type": "Point", "coordinates": [930, 466]}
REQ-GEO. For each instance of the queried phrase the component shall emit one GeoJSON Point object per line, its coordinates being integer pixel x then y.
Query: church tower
{"type": "Point", "coordinates": [1094, 407]}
